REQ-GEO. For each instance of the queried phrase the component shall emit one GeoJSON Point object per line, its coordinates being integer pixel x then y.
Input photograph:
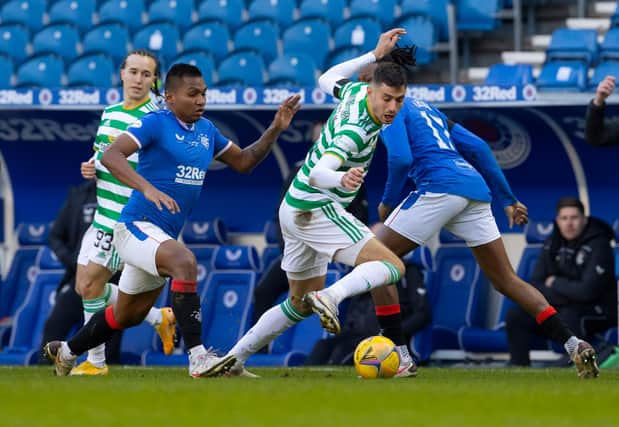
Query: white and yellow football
{"type": "Point", "coordinates": [376, 357]}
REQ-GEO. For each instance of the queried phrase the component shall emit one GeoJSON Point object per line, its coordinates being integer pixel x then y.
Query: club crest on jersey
{"type": "Point", "coordinates": [204, 140]}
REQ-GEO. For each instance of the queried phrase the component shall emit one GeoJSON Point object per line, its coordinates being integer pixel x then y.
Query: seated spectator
{"type": "Point", "coordinates": [360, 321]}
{"type": "Point", "coordinates": [576, 274]}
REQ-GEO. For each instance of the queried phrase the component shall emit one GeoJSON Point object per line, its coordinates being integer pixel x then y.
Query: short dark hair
{"type": "Point", "coordinates": [570, 202]}
{"type": "Point", "coordinates": [177, 72]}
{"type": "Point", "coordinates": [148, 54]}
{"type": "Point", "coordinates": [389, 73]}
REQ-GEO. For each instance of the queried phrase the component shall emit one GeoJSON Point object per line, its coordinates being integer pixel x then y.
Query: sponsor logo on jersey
{"type": "Point", "coordinates": [189, 175]}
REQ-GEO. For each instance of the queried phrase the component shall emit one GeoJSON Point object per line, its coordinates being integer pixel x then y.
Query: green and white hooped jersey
{"type": "Point", "coordinates": [350, 134]}
{"type": "Point", "coordinates": [112, 195]}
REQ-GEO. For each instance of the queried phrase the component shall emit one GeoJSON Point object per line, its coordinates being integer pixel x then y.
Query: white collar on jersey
{"type": "Point", "coordinates": [187, 126]}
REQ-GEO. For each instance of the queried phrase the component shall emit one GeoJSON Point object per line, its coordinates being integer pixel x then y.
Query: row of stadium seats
{"type": "Point", "coordinates": [310, 38]}
{"type": "Point", "coordinates": [457, 292]}
{"type": "Point", "coordinates": [35, 14]}
{"type": "Point", "coordinates": [565, 76]}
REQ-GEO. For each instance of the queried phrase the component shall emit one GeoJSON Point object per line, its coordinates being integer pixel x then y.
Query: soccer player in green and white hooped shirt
{"type": "Point", "coordinates": [97, 260]}
{"type": "Point", "coordinates": [315, 227]}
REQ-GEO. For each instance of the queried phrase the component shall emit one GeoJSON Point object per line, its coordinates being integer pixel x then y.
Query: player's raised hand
{"type": "Point", "coordinates": [161, 199]}
{"type": "Point", "coordinates": [517, 214]}
{"type": "Point", "coordinates": [286, 111]}
{"type": "Point", "coordinates": [353, 178]}
{"type": "Point", "coordinates": [604, 89]}
{"type": "Point", "coordinates": [387, 41]}
{"type": "Point", "coordinates": [88, 169]}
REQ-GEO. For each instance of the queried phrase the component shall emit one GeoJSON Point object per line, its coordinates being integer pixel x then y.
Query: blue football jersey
{"type": "Point", "coordinates": [174, 158]}
{"type": "Point", "coordinates": [419, 135]}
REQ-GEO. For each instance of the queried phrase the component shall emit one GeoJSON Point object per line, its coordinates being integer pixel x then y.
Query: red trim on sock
{"type": "Point", "coordinates": [185, 286]}
{"type": "Point", "coordinates": [548, 312]}
{"type": "Point", "coordinates": [110, 319]}
{"type": "Point", "coordinates": [387, 310]}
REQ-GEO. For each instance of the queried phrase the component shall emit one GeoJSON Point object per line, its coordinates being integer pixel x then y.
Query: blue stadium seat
{"type": "Point", "coordinates": [606, 68]}
{"type": "Point", "coordinates": [435, 9]}
{"type": "Point", "coordinates": [30, 237]}
{"type": "Point", "coordinates": [609, 48]}
{"type": "Point", "coordinates": [259, 35]}
{"type": "Point", "coordinates": [342, 54]}
{"type": "Point", "coordinates": [331, 11]}
{"type": "Point", "coordinates": [91, 70]}
{"type": "Point", "coordinates": [211, 36]}
{"type": "Point", "coordinates": [61, 39]}
{"type": "Point", "coordinates": [569, 44]}
{"type": "Point", "coordinates": [281, 11]}
{"type": "Point", "coordinates": [13, 41]}
{"type": "Point", "coordinates": [477, 15]}
{"type": "Point", "coordinates": [456, 295]}
{"type": "Point", "coordinates": [421, 32]}
{"type": "Point", "coordinates": [568, 76]}
{"type": "Point", "coordinates": [110, 39]}
{"type": "Point", "coordinates": [6, 71]}
{"type": "Point", "coordinates": [128, 12]}
{"type": "Point", "coordinates": [25, 341]}
{"type": "Point", "coordinates": [271, 252]}
{"type": "Point", "coordinates": [478, 339]}
{"type": "Point", "coordinates": [203, 238]}
{"type": "Point", "coordinates": [230, 12]}
{"type": "Point", "coordinates": [309, 37]}
{"type": "Point", "coordinates": [78, 13]}
{"type": "Point", "coordinates": [244, 68]}
{"type": "Point", "coordinates": [177, 12]}
{"type": "Point", "coordinates": [293, 346]}
{"type": "Point", "coordinates": [42, 70]}
{"type": "Point", "coordinates": [383, 10]}
{"type": "Point", "coordinates": [300, 70]}
{"type": "Point", "coordinates": [227, 298]}
{"type": "Point", "coordinates": [162, 38]}
{"type": "Point", "coordinates": [504, 74]}
{"type": "Point", "coordinates": [26, 12]}
{"type": "Point", "coordinates": [201, 59]}
{"type": "Point", "coordinates": [360, 32]}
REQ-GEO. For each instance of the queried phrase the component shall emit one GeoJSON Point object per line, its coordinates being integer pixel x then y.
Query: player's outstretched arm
{"type": "Point", "coordinates": [246, 159]}
{"type": "Point", "coordinates": [115, 160]}
{"type": "Point", "coordinates": [328, 81]}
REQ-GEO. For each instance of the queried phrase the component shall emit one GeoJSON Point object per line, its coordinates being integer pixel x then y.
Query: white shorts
{"type": "Point", "coordinates": [97, 247]}
{"type": "Point", "coordinates": [137, 244]}
{"type": "Point", "coordinates": [421, 215]}
{"type": "Point", "coordinates": [312, 237]}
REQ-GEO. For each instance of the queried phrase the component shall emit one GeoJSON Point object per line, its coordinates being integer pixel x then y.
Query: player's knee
{"type": "Point", "coordinates": [299, 305]}
{"type": "Point", "coordinates": [185, 266]}
{"type": "Point", "coordinates": [88, 289]}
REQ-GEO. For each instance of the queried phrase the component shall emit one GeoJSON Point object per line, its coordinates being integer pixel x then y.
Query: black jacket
{"type": "Point", "coordinates": [597, 132]}
{"type": "Point", "coordinates": [74, 218]}
{"type": "Point", "coordinates": [584, 269]}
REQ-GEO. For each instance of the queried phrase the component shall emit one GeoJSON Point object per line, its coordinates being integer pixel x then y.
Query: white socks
{"type": "Point", "coordinates": [271, 324]}
{"type": "Point", "coordinates": [363, 278]}
{"type": "Point", "coordinates": [571, 344]}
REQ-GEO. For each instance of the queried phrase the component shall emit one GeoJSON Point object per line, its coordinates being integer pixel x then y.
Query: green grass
{"type": "Point", "coordinates": [309, 397]}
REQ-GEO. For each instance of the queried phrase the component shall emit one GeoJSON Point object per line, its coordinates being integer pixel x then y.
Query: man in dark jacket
{"type": "Point", "coordinates": [597, 132]}
{"type": "Point", "coordinates": [576, 274]}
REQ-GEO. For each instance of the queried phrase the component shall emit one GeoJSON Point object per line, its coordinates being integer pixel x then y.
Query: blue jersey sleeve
{"type": "Point", "coordinates": [477, 152]}
{"type": "Point", "coordinates": [221, 142]}
{"type": "Point", "coordinates": [143, 130]}
{"type": "Point", "coordinates": [399, 160]}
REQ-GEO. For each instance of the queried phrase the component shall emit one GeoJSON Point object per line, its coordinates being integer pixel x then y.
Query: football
{"type": "Point", "coordinates": [376, 357]}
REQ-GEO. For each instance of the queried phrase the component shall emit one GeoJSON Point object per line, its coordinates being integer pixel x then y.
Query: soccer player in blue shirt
{"type": "Point", "coordinates": [455, 176]}
{"type": "Point", "coordinates": [176, 147]}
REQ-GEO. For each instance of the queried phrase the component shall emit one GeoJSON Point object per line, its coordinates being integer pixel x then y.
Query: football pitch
{"type": "Point", "coordinates": [317, 397]}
